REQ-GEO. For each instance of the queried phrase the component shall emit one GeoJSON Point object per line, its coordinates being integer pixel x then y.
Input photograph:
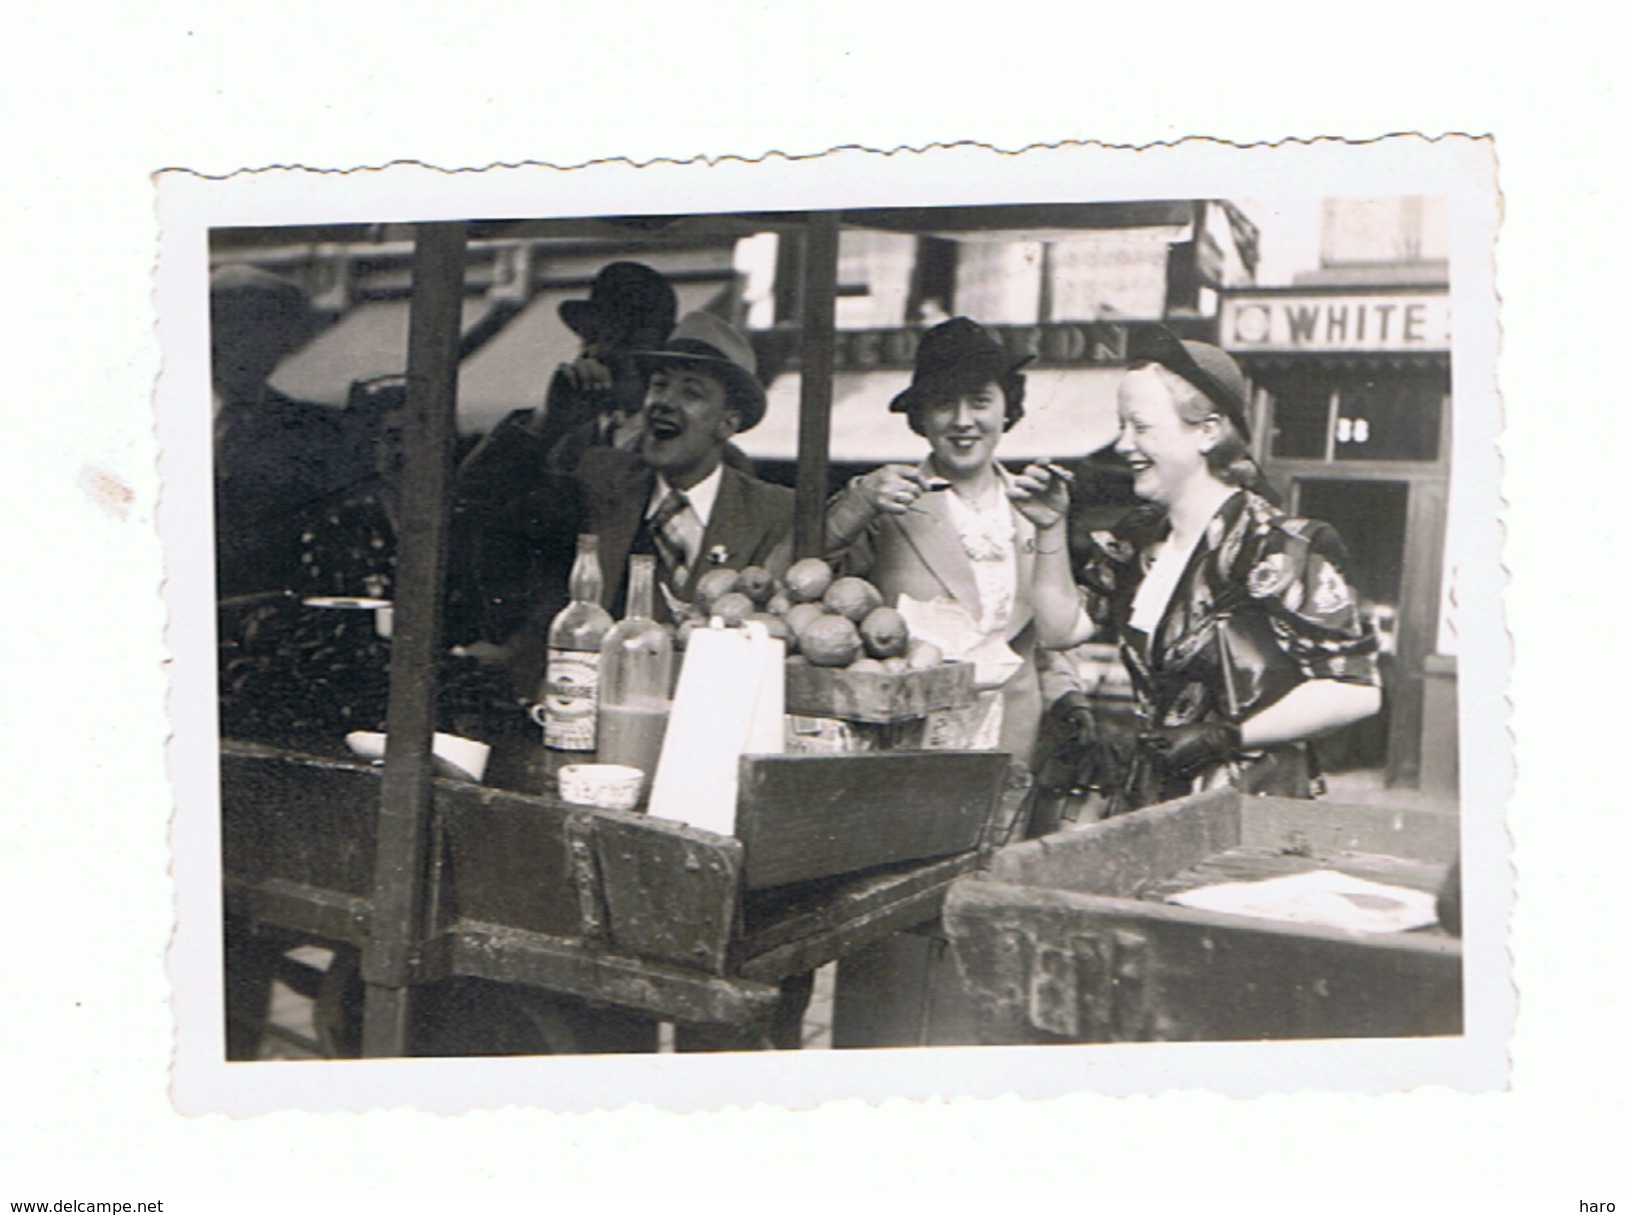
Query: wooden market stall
{"type": "Point", "coordinates": [432, 881]}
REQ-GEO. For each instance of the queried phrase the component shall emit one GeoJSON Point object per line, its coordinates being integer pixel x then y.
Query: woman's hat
{"type": "Point", "coordinates": [1209, 370]}
{"type": "Point", "coordinates": [704, 340]}
{"type": "Point", "coordinates": [626, 299]}
{"type": "Point", "coordinates": [952, 354]}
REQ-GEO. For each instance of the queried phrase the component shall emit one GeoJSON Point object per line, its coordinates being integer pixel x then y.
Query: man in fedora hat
{"type": "Point", "coordinates": [520, 561]}
{"type": "Point", "coordinates": [675, 495]}
{"type": "Point", "coordinates": [515, 562]}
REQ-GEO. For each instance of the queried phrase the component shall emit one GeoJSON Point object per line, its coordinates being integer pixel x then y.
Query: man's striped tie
{"type": "Point", "coordinates": [670, 536]}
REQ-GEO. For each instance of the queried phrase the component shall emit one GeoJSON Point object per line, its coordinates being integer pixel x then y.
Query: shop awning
{"type": "Point", "coordinates": [1070, 413]}
{"type": "Point", "coordinates": [366, 342]}
{"type": "Point", "coordinates": [512, 370]}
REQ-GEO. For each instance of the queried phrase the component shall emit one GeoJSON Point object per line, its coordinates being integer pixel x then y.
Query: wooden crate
{"type": "Point", "coordinates": [646, 916]}
{"type": "Point", "coordinates": [876, 696]}
{"type": "Point", "coordinates": [1065, 938]}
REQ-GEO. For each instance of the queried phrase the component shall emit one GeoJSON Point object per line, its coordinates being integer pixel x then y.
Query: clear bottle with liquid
{"type": "Point", "coordinates": [569, 693]}
{"type": "Point", "coordinates": [635, 679]}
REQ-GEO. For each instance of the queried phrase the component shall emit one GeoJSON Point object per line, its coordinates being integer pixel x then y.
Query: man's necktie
{"type": "Point", "coordinates": [668, 529]}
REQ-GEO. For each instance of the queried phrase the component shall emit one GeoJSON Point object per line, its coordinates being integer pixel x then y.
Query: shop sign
{"type": "Point", "coordinates": [1102, 343]}
{"type": "Point", "coordinates": [1333, 322]}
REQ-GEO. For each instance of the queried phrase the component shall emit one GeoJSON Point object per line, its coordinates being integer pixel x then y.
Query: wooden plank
{"type": "Point", "coordinates": [490, 951]}
{"type": "Point", "coordinates": [779, 918]}
{"type": "Point", "coordinates": [875, 923]}
{"type": "Point", "coordinates": [671, 892]}
{"type": "Point", "coordinates": [421, 533]}
{"type": "Point", "coordinates": [1253, 864]}
{"type": "Point", "coordinates": [876, 696]}
{"type": "Point", "coordinates": [1050, 965]}
{"type": "Point", "coordinates": [817, 380]}
{"type": "Point", "coordinates": [508, 860]}
{"type": "Point", "coordinates": [298, 818]}
{"type": "Point", "coordinates": [1324, 828]}
{"type": "Point", "coordinates": [300, 908]}
{"type": "Point", "coordinates": [1122, 854]}
{"type": "Point", "coordinates": [803, 817]}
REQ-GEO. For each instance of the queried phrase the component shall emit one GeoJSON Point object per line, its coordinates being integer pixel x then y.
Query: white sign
{"type": "Point", "coordinates": [1400, 320]}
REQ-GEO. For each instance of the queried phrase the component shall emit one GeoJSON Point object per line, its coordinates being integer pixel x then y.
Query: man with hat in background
{"type": "Point", "coordinates": [520, 564]}
{"type": "Point", "coordinates": [521, 559]}
{"type": "Point", "coordinates": [673, 494]}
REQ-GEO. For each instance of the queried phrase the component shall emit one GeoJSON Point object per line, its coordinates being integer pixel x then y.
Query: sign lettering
{"type": "Point", "coordinates": [1299, 322]}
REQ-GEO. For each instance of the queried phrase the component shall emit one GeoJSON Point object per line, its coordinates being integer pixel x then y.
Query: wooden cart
{"type": "Point", "coordinates": [430, 881]}
{"type": "Point", "coordinates": [595, 924]}
{"type": "Point", "coordinates": [1068, 938]}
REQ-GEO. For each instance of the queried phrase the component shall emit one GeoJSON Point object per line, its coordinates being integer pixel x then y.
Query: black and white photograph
{"type": "Point", "coordinates": [994, 624]}
{"type": "Point", "coordinates": [854, 607]}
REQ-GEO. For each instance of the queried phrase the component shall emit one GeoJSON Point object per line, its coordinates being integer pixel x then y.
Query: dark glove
{"type": "Point", "coordinates": [1071, 717]}
{"type": "Point", "coordinates": [1185, 751]}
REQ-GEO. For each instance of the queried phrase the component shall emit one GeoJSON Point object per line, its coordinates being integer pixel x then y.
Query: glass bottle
{"type": "Point", "coordinates": [634, 679]}
{"type": "Point", "coordinates": [570, 688]}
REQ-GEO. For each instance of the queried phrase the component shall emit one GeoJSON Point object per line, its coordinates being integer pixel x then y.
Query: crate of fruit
{"type": "Point", "coordinates": [876, 696]}
{"type": "Point", "coordinates": [850, 655]}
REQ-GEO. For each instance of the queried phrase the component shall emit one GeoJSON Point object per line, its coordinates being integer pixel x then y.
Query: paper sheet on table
{"type": "Point", "coordinates": [949, 626]}
{"type": "Point", "coordinates": [1322, 897]}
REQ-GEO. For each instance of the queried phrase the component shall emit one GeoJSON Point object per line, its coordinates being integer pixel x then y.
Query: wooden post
{"type": "Point", "coordinates": [817, 373]}
{"type": "Point", "coordinates": [408, 791]}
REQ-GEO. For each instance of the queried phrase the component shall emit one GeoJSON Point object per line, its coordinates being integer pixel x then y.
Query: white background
{"type": "Point", "coordinates": [96, 102]}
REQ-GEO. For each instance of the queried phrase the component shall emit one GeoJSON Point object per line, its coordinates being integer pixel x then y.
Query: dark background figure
{"type": "Point", "coordinates": [291, 673]}
{"type": "Point", "coordinates": [519, 562]}
{"type": "Point", "coordinates": [275, 458]}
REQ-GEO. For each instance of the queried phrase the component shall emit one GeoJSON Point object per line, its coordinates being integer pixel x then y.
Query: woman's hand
{"type": "Point", "coordinates": [891, 489]}
{"type": "Point", "coordinates": [1043, 492]}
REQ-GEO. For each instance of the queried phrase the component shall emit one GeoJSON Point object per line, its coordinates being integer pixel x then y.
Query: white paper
{"type": "Point", "coordinates": [1324, 897]}
{"type": "Point", "coordinates": [729, 702]}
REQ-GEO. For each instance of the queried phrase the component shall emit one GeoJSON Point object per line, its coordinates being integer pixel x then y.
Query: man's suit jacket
{"type": "Point", "coordinates": [919, 553]}
{"type": "Point", "coordinates": [752, 522]}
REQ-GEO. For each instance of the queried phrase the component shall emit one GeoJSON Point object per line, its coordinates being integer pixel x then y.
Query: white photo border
{"type": "Point", "coordinates": [1459, 168]}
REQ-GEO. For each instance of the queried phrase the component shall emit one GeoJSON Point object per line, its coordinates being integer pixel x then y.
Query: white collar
{"type": "Point", "coordinates": [702, 496]}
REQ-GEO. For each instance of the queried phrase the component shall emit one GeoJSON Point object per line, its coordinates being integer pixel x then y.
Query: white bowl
{"type": "Point", "coordinates": [466, 755]}
{"type": "Point", "coordinates": [604, 786]}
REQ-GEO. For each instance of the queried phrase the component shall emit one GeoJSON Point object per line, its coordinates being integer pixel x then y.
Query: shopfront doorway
{"type": "Point", "coordinates": [1370, 516]}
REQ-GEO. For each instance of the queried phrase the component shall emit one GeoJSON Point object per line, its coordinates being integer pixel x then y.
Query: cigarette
{"type": "Point", "coordinates": [1064, 474]}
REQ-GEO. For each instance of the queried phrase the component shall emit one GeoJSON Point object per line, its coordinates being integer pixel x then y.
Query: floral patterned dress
{"type": "Point", "coordinates": [1262, 606]}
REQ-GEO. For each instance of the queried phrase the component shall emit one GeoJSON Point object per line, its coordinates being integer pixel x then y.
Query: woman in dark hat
{"type": "Point", "coordinates": [1237, 624]}
{"type": "Point", "coordinates": [954, 542]}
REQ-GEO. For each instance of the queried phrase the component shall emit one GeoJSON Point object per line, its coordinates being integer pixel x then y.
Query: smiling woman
{"type": "Point", "coordinates": [954, 541]}
{"type": "Point", "coordinates": [1237, 624]}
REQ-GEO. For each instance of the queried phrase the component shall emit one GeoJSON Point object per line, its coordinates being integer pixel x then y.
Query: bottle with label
{"type": "Point", "coordinates": [570, 689]}
{"type": "Point", "coordinates": [635, 679]}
